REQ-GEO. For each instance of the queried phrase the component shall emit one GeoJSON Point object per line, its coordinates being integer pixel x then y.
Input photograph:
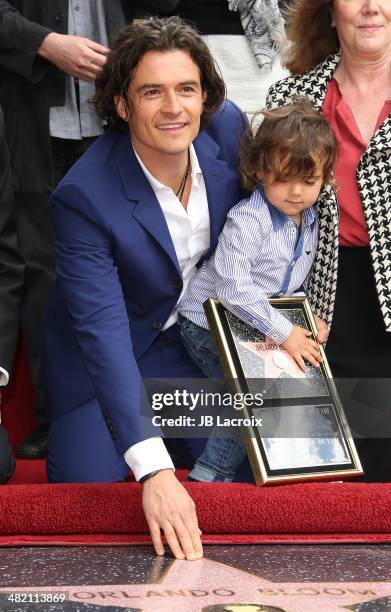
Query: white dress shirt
{"type": "Point", "coordinates": [190, 233]}
{"type": "Point", "coordinates": [261, 252]}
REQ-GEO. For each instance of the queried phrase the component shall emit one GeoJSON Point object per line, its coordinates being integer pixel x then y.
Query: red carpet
{"type": "Point", "coordinates": [37, 514]}
{"type": "Point", "coordinates": [33, 512]}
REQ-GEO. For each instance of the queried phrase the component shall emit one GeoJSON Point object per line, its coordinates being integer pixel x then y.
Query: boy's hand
{"type": "Point", "coordinates": [323, 330]}
{"type": "Point", "coordinates": [300, 345]}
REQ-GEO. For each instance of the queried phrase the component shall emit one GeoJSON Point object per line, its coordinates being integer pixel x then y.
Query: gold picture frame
{"type": "Point", "coordinates": [304, 434]}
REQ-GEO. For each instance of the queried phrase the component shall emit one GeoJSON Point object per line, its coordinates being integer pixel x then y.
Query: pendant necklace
{"type": "Point", "coordinates": [180, 192]}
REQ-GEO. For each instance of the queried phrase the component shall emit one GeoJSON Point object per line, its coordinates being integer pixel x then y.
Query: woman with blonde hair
{"type": "Point", "coordinates": [340, 58]}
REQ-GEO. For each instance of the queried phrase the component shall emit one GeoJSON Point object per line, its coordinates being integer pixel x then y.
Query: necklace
{"type": "Point", "coordinates": [180, 192]}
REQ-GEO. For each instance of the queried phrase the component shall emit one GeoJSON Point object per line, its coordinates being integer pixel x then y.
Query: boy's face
{"type": "Point", "coordinates": [294, 195]}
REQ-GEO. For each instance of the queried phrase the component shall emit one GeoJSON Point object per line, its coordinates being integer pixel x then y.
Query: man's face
{"type": "Point", "coordinates": [167, 102]}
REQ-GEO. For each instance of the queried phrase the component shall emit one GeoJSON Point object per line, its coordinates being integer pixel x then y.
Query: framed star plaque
{"type": "Point", "coordinates": [295, 429]}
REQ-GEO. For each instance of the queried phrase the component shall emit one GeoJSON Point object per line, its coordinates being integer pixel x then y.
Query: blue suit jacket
{"type": "Point", "coordinates": [118, 275]}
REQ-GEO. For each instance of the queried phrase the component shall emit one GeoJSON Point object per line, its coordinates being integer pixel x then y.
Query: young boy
{"type": "Point", "coordinates": [266, 248]}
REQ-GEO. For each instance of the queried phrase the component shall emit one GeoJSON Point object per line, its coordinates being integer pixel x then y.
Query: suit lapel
{"type": "Point", "coordinates": [147, 210]}
{"type": "Point", "coordinates": [214, 172]}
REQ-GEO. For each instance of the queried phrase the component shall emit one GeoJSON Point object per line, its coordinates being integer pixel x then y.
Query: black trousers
{"type": "Point", "coordinates": [36, 244]}
{"type": "Point", "coordinates": [7, 464]}
{"type": "Point", "coordinates": [359, 354]}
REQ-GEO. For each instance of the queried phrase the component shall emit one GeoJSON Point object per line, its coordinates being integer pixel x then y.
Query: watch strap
{"type": "Point", "coordinates": [147, 476]}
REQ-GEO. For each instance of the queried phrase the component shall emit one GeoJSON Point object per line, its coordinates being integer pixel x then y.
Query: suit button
{"type": "Point", "coordinates": [114, 435]}
{"type": "Point", "coordinates": [59, 17]}
{"type": "Point", "coordinates": [177, 284]}
{"type": "Point", "coordinates": [157, 325]}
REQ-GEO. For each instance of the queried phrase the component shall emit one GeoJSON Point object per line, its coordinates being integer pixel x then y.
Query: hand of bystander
{"type": "Point", "coordinates": [80, 57]}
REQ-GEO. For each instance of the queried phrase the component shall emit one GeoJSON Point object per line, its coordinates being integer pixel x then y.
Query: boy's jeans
{"type": "Point", "coordinates": [221, 456]}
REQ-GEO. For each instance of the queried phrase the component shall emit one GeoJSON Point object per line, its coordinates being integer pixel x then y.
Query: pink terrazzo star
{"type": "Point", "coordinates": [194, 586]}
{"type": "Point", "coordinates": [278, 362]}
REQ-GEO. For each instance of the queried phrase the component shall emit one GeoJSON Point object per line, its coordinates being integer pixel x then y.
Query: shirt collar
{"type": "Point", "coordinates": [278, 218]}
{"type": "Point", "coordinates": [308, 216]}
{"type": "Point", "coordinates": [156, 185]}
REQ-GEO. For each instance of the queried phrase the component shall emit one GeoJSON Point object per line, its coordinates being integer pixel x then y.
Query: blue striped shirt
{"type": "Point", "coordinates": [261, 252]}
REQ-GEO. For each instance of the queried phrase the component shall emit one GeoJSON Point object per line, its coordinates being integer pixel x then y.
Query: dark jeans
{"type": "Point", "coordinates": [221, 457]}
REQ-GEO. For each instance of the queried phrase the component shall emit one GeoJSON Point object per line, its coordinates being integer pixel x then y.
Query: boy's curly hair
{"type": "Point", "coordinates": [291, 142]}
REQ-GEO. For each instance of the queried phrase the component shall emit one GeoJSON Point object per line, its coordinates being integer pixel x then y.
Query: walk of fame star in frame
{"type": "Point", "coordinates": [304, 433]}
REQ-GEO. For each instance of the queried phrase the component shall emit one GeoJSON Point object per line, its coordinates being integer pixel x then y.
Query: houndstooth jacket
{"type": "Point", "coordinates": [374, 182]}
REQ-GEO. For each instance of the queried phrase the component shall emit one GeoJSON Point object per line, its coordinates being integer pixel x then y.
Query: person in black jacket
{"type": "Point", "coordinates": [11, 283]}
{"type": "Point", "coordinates": [50, 55]}
{"type": "Point", "coordinates": [11, 265]}
{"type": "Point", "coordinates": [146, 8]}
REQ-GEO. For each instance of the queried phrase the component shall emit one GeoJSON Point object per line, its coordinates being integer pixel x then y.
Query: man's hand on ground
{"type": "Point", "coordinates": [80, 57]}
{"type": "Point", "coordinates": [168, 507]}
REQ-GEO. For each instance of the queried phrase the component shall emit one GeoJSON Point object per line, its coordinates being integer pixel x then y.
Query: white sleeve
{"type": "Point", "coordinates": [148, 456]}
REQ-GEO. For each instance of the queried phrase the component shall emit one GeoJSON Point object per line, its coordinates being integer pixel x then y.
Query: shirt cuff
{"type": "Point", "coordinates": [4, 377]}
{"type": "Point", "coordinates": [280, 330]}
{"type": "Point", "coordinates": [148, 456]}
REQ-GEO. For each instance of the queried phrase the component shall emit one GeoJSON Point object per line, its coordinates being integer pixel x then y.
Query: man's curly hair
{"type": "Point", "coordinates": [132, 43]}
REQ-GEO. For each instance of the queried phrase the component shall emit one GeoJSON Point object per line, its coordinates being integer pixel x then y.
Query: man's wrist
{"type": "Point", "coordinates": [148, 476]}
{"type": "Point", "coordinates": [152, 474]}
{"type": "Point", "coordinates": [44, 50]}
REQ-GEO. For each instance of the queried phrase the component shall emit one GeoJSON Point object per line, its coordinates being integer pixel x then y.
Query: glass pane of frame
{"type": "Point", "coordinates": [304, 434]}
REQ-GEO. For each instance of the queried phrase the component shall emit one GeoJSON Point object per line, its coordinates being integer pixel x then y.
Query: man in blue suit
{"type": "Point", "coordinates": [134, 217]}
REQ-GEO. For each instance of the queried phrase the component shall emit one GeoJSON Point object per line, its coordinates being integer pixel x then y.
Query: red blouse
{"type": "Point", "coordinates": [351, 146]}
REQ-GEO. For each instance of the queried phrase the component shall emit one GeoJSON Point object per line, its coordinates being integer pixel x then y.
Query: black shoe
{"type": "Point", "coordinates": [7, 461]}
{"type": "Point", "coordinates": [12, 469]}
{"type": "Point", "coordinates": [35, 446]}
{"type": "Point", "coordinates": [4, 478]}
